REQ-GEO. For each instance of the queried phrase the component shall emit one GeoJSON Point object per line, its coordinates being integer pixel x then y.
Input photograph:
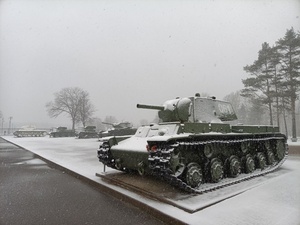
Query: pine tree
{"type": "Point", "coordinates": [260, 85]}
{"type": "Point", "coordinates": [289, 49]}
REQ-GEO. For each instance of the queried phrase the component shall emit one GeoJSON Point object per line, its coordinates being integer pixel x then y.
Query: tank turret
{"type": "Point", "coordinates": [121, 125]}
{"type": "Point", "coordinates": [119, 129]}
{"type": "Point", "coordinates": [194, 109]}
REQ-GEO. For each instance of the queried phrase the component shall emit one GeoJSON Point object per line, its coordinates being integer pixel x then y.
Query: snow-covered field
{"type": "Point", "coordinates": [271, 199]}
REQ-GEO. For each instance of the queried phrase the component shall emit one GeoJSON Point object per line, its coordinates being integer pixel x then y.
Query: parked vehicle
{"type": "Point", "coordinates": [30, 131]}
{"type": "Point", "coordinates": [119, 129]}
{"type": "Point", "coordinates": [62, 132]}
{"type": "Point", "coordinates": [89, 132]}
{"type": "Point", "coordinates": [193, 146]}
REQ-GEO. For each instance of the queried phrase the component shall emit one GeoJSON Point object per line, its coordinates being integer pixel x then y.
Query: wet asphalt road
{"type": "Point", "coordinates": [31, 192]}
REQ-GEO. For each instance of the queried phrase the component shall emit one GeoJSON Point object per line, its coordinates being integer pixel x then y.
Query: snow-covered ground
{"type": "Point", "coordinates": [294, 143]}
{"type": "Point", "coordinates": [271, 199]}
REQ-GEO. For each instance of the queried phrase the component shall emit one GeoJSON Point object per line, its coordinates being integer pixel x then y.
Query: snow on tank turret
{"type": "Point", "coordinates": [119, 129]}
{"type": "Point", "coordinates": [193, 147]}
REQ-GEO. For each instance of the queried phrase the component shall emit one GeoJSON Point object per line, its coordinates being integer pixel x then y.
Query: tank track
{"type": "Point", "coordinates": [160, 165]}
{"type": "Point", "coordinates": [104, 155]}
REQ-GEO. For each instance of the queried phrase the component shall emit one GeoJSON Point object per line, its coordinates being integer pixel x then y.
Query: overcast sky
{"type": "Point", "coordinates": [128, 52]}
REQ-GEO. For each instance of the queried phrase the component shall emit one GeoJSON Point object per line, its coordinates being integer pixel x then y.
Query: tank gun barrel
{"type": "Point", "coordinates": [156, 107]}
{"type": "Point", "coordinates": [107, 123]}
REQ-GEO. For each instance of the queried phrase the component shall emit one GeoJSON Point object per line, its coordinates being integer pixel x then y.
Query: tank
{"type": "Point", "coordinates": [119, 129]}
{"type": "Point", "coordinates": [62, 132]}
{"type": "Point", "coordinates": [195, 148]}
{"type": "Point", "coordinates": [89, 132]}
{"type": "Point", "coordinates": [30, 131]}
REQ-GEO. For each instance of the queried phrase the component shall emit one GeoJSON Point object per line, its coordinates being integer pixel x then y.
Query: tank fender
{"type": "Point", "coordinates": [114, 140]}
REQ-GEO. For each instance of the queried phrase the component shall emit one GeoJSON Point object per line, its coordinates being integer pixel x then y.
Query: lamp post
{"type": "Point", "coordinates": [9, 128]}
{"type": "Point", "coordinates": [2, 123]}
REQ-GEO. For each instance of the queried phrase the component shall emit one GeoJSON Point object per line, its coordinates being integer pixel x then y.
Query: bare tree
{"type": "Point", "coordinates": [86, 108]}
{"type": "Point", "coordinates": [72, 101]}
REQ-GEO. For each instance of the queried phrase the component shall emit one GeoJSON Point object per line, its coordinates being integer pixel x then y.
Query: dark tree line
{"type": "Point", "coordinates": [274, 80]}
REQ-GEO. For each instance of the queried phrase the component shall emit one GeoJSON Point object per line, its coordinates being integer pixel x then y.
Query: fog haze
{"type": "Point", "coordinates": [129, 52]}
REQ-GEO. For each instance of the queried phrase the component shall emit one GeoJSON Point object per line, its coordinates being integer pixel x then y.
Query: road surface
{"type": "Point", "coordinates": [34, 193]}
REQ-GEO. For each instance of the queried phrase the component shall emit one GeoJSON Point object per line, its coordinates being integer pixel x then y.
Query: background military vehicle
{"type": "Point", "coordinates": [30, 131]}
{"type": "Point", "coordinates": [62, 132]}
{"type": "Point", "coordinates": [194, 149]}
{"type": "Point", "coordinates": [119, 129]}
{"type": "Point", "coordinates": [89, 132]}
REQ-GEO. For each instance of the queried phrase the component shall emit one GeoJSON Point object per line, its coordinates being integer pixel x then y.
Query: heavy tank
{"type": "Point", "coordinates": [89, 132]}
{"type": "Point", "coordinates": [195, 148]}
{"type": "Point", "coordinates": [29, 131]}
{"type": "Point", "coordinates": [62, 132]}
{"type": "Point", "coordinates": [119, 129]}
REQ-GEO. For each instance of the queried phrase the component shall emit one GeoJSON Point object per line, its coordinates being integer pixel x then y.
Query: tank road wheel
{"type": "Point", "coordinates": [194, 175]}
{"type": "Point", "coordinates": [216, 170]}
{"type": "Point", "coordinates": [280, 150]}
{"type": "Point", "coordinates": [234, 166]}
{"type": "Point", "coordinates": [261, 160]}
{"type": "Point", "coordinates": [249, 164]}
{"type": "Point", "coordinates": [270, 157]}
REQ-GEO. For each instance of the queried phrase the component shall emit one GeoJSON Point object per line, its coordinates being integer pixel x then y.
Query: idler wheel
{"type": "Point", "coordinates": [270, 157]}
{"type": "Point", "coordinates": [118, 164]}
{"type": "Point", "coordinates": [194, 175]}
{"type": "Point", "coordinates": [176, 164]}
{"type": "Point", "coordinates": [249, 164]}
{"type": "Point", "coordinates": [179, 170]}
{"type": "Point", "coordinates": [261, 160]}
{"type": "Point", "coordinates": [216, 170]}
{"type": "Point", "coordinates": [280, 150]}
{"type": "Point", "coordinates": [234, 166]}
{"type": "Point", "coordinates": [141, 169]}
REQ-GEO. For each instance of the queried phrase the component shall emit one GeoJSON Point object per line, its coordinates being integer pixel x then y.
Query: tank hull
{"type": "Point", "coordinates": [118, 132]}
{"type": "Point", "coordinates": [85, 134]}
{"type": "Point", "coordinates": [69, 133]}
{"type": "Point", "coordinates": [89, 132]}
{"type": "Point", "coordinates": [30, 133]}
{"type": "Point", "coordinates": [189, 160]}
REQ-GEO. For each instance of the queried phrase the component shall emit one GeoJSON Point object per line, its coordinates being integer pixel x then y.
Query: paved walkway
{"type": "Point", "coordinates": [32, 193]}
{"type": "Point", "coordinates": [274, 193]}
